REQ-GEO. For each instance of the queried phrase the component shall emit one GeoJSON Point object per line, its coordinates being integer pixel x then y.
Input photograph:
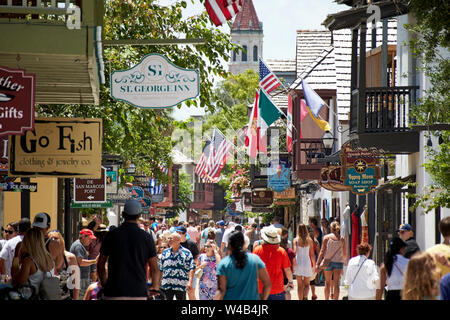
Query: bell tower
{"type": "Point", "coordinates": [247, 31]}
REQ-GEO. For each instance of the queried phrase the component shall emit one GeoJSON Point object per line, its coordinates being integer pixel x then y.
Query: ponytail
{"type": "Point", "coordinates": [236, 242]}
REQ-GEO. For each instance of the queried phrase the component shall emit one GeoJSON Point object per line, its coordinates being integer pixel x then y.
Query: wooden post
{"type": "Point", "coordinates": [67, 215]}
{"type": "Point", "coordinates": [362, 79]}
{"type": "Point", "coordinates": [25, 200]}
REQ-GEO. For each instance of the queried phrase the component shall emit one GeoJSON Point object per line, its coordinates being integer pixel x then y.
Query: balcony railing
{"type": "Point", "coordinates": [203, 196]}
{"type": "Point", "coordinates": [387, 108]}
{"type": "Point", "coordinates": [307, 155]}
{"type": "Point", "coordinates": [39, 9]}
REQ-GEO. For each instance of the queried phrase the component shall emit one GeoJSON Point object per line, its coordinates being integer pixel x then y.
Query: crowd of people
{"type": "Point", "coordinates": [150, 259]}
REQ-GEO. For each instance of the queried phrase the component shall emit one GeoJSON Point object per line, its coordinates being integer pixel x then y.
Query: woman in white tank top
{"type": "Point", "coordinates": [34, 258]}
{"type": "Point", "coordinates": [305, 260]}
{"type": "Point", "coordinates": [392, 271]}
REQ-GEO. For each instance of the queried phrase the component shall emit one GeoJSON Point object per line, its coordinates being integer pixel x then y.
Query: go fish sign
{"type": "Point", "coordinates": [155, 82]}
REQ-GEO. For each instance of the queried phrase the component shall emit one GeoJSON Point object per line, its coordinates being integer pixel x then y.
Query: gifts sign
{"type": "Point", "coordinates": [17, 92]}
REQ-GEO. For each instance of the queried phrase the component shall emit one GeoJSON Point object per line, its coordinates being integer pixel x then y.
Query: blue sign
{"type": "Point", "coordinates": [137, 193]}
{"type": "Point", "coordinates": [279, 178]}
{"type": "Point", "coordinates": [145, 202]}
{"type": "Point", "coordinates": [361, 182]}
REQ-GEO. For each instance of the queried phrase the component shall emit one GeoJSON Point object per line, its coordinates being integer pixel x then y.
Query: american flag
{"type": "Point", "coordinates": [201, 168]}
{"type": "Point", "coordinates": [220, 11]}
{"type": "Point", "coordinates": [219, 153]}
{"type": "Point", "coordinates": [267, 79]}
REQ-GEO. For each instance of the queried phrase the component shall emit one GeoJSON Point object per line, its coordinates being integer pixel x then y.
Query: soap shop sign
{"type": "Point", "coordinates": [155, 82]}
{"type": "Point", "coordinates": [360, 169]}
{"type": "Point", "coordinates": [61, 147]}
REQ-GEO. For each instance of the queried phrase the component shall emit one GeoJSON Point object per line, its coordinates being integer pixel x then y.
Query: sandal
{"type": "Point", "coordinates": [314, 297]}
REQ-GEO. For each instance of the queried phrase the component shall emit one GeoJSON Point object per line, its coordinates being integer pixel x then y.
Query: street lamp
{"type": "Point", "coordinates": [328, 141]}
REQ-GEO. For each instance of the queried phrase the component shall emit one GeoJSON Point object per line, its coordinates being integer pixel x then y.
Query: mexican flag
{"type": "Point", "coordinates": [263, 114]}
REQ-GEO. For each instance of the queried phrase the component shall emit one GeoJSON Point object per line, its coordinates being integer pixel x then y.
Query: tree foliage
{"type": "Point", "coordinates": [431, 46]}
{"type": "Point", "coordinates": [143, 136]}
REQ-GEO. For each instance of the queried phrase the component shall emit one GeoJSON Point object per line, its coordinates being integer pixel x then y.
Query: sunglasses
{"type": "Point", "coordinates": [9, 231]}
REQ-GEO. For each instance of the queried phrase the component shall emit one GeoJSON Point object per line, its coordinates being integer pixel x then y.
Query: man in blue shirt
{"type": "Point", "coordinates": [177, 266]}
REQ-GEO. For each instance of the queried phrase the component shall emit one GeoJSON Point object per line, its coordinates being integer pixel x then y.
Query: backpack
{"type": "Point", "coordinates": [49, 289]}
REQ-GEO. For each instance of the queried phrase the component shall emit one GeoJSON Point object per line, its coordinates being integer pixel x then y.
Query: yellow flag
{"type": "Point", "coordinates": [324, 125]}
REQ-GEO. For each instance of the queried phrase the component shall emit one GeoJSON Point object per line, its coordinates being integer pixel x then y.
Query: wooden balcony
{"type": "Point", "coordinates": [60, 42]}
{"type": "Point", "coordinates": [203, 196]}
{"type": "Point", "coordinates": [382, 120]}
{"type": "Point", "coordinates": [307, 153]}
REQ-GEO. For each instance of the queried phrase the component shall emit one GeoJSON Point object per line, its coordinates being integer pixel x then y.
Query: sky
{"type": "Point", "coordinates": [281, 19]}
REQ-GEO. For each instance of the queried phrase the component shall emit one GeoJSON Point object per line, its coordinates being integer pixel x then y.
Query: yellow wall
{"type": "Point", "coordinates": [45, 199]}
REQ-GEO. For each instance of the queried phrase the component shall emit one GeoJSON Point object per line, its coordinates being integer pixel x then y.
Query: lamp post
{"type": "Point", "coordinates": [328, 141]}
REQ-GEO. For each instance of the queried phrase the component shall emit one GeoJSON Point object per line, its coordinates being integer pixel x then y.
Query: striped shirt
{"type": "Point", "coordinates": [175, 267]}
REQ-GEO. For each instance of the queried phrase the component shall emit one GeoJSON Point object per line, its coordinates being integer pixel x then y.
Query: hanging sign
{"type": "Point", "coordinates": [61, 147]}
{"type": "Point", "coordinates": [155, 82]}
{"type": "Point", "coordinates": [261, 197]}
{"type": "Point", "coordinates": [360, 169]}
{"type": "Point", "coordinates": [18, 186]}
{"type": "Point", "coordinates": [280, 179]}
{"type": "Point", "coordinates": [17, 92]}
{"type": "Point", "coordinates": [112, 179]}
{"type": "Point", "coordinates": [90, 190]}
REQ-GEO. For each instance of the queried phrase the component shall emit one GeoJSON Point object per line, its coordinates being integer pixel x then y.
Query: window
{"type": "Point", "coordinates": [244, 53]}
{"type": "Point", "coordinates": [255, 53]}
{"type": "Point", "coordinates": [234, 56]}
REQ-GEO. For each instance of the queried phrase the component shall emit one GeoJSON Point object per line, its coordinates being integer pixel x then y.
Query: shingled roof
{"type": "Point", "coordinates": [324, 60]}
{"type": "Point", "coordinates": [247, 19]}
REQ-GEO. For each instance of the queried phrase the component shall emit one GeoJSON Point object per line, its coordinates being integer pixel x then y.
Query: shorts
{"type": "Point", "coordinates": [335, 265]}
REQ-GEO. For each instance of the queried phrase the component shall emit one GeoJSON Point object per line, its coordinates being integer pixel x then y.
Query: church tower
{"type": "Point", "coordinates": [247, 31]}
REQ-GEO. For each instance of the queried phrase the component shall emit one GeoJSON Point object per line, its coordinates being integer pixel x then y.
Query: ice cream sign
{"type": "Point", "coordinates": [279, 180]}
{"type": "Point", "coordinates": [155, 82]}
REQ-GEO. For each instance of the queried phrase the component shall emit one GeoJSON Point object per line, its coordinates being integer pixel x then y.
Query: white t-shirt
{"type": "Point", "coordinates": [8, 250]}
{"type": "Point", "coordinates": [364, 282]}
{"type": "Point", "coordinates": [226, 235]}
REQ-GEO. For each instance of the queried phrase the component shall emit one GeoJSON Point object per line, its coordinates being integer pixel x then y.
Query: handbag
{"type": "Point", "coordinates": [325, 262]}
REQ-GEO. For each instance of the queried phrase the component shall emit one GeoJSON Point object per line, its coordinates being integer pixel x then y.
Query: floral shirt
{"type": "Point", "coordinates": [175, 268]}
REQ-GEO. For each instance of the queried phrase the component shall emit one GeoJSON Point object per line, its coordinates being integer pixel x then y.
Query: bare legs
{"type": "Point", "coordinates": [302, 287]}
{"type": "Point", "coordinates": [332, 279]}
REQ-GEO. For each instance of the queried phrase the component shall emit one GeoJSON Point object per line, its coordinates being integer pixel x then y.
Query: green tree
{"type": "Point", "coordinates": [143, 136]}
{"type": "Point", "coordinates": [431, 46]}
{"type": "Point", "coordinates": [184, 192]}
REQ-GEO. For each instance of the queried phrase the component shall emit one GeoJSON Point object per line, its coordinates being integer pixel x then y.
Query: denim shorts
{"type": "Point", "coordinates": [335, 265]}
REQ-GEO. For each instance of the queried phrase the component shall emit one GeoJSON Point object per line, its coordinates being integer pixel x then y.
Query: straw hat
{"type": "Point", "coordinates": [270, 235]}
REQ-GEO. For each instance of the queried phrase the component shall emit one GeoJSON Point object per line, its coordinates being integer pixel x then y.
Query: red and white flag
{"type": "Point", "coordinates": [289, 124]}
{"type": "Point", "coordinates": [220, 11]}
{"type": "Point", "coordinates": [220, 151]}
{"type": "Point", "coordinates": [251, 140]}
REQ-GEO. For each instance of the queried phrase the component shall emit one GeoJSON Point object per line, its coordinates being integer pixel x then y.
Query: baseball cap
{"type": "Point", "coordinates": [181, 229]}
{"type": "Point", "coordinates": [41, 220]}
{"type": "Point", "coordinates": [132, 207]}
{"type": "Point", "coordinates": [221, 223]}
{"type": "Point", "coordinates": [405, 227]}
{"type": "Point", "coordinates": [88, 232]}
